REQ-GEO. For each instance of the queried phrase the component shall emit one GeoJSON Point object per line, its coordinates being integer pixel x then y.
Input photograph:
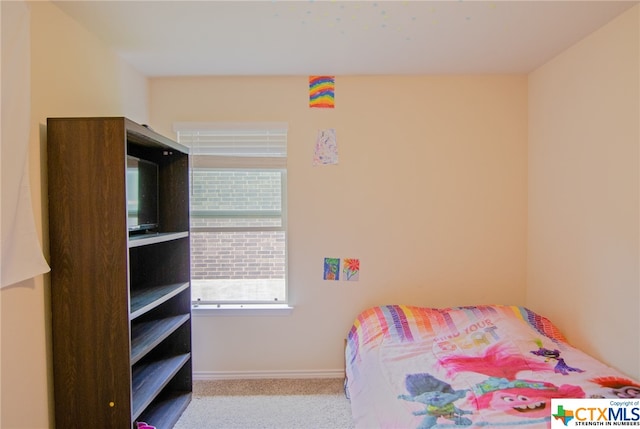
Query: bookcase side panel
{"type": "Point", "coordinates": [89, 281]}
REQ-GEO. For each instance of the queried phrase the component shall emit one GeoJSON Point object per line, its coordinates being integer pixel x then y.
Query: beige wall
{"type": "Point", "coordinates": [429, 193]}
{"type": "Point", "coordinates": [584, 120]}
{"type": "Point", "coordinates": [73, 74]}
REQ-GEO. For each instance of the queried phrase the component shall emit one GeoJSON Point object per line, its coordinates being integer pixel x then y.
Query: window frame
{"type": "Point", "coordinates": [268, 163]}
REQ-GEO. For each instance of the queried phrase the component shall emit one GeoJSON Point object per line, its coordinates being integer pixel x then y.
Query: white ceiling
{"type": "Point", "coordinates": [333, 37]}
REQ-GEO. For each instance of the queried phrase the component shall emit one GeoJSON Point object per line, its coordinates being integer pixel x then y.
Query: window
{"type": "Point", "coordinates": [238, 212]}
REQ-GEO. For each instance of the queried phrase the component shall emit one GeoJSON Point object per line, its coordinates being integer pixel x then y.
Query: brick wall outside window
{"type": "Point", "coordinates": [236, 254]}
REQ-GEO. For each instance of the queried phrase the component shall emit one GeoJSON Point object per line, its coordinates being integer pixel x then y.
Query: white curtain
{"type": "Point", "coordinates": [21, 251]}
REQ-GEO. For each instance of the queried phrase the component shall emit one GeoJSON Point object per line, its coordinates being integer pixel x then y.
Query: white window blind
{"type": "Point", "coordinates": [246, 140]}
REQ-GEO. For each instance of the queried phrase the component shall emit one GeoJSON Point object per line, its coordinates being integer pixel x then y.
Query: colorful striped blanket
{"type": "Point", "coordinates": [477, 366]}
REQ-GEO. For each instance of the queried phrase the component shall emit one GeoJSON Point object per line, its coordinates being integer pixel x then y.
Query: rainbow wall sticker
{"type": "Point", "coordinates": [322, 91]}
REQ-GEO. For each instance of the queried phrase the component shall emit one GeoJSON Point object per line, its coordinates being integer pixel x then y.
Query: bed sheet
{"type": "Point", "coordinates": [482, 366]}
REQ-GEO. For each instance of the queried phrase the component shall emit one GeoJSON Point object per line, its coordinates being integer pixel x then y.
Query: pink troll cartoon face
{"type": "Point", "coordinates": [502, 390]}
{"type": "Point", "coordinates": [533, 401]}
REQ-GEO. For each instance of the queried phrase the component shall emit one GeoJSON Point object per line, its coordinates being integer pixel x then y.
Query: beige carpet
{"type": "Point", "coordinates": [268, 404]}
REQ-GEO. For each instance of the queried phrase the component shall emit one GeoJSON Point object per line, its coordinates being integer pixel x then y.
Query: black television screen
{"type": "Point", "coordinates": [142, 195]}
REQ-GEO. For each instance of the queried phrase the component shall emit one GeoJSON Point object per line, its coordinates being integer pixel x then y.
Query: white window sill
{"type": "Point", "coordinates": [241, 310]}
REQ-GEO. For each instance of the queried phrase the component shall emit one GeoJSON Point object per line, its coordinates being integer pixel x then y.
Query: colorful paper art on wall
{"type": "Point", "coordinates": [351, 269]}
{"type": "Point", "coordinates": [322, 92]}
{"type": "Point", "coordinates": [326, 149]}
{"type": "Point", "coordinates": [331, 269]}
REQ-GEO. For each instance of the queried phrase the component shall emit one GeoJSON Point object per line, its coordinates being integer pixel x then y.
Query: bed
{"type": "Point", "coordinates": [487, 366]}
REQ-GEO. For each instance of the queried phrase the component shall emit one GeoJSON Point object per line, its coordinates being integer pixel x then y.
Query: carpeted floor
{"type": "Point", "coordinates": [268, 404]}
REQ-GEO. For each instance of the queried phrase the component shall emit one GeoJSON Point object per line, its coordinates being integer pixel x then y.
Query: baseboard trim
{"type": "Point", "coordinates": [241, 375]}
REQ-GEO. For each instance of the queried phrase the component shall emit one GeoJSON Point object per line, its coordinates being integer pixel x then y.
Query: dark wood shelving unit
{"type": "Point", "coordinates": [150, 378]}
{"type": "Point", "coordinates": [120, 302]}
{"type": "Point", "coordinates": [146, 335]}
{"type": "Point", "coordinates": [146, 299]}
{"type": "Point", "coordinates": [165, 409]}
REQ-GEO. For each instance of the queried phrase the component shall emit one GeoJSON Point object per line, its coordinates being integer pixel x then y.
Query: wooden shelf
{"type": "Point", "coordinates": [120, 301]}
{"type": "Point", "coordinates": [149, 298]}
{"type": "Point", "coordinates": [160, 237]}
{"type": "Point", "coordinates": [150, 378]}
{"type": "Point", "coordinates": [164, 413]}
{"type": "Point", "coordinates": [146, 335]}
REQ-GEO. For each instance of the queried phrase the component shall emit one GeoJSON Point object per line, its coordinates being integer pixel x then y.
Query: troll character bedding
{"type": "Point", "coordinates": [481, 366]}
